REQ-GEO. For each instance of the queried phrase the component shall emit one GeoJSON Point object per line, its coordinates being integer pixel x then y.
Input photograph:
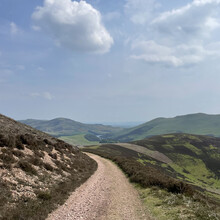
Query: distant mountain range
{"type": "Point", "coordinates": [67, 127]}
{"type": "Point", "coordinates": [201, 124]}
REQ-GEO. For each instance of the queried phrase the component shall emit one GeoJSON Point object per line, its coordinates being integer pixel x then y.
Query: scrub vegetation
{"type": "Point", "coordinates": [38, 172]}
{"type": "Point", "coordinates": [186, 186]}
{"type": "Point", "coordinates": [200, 124]}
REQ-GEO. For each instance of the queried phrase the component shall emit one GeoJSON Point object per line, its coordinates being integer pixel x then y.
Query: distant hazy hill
{"type": "Point", "coordinates": [67, 127]}
{"type": "Point", "coordinates": [201, 124]}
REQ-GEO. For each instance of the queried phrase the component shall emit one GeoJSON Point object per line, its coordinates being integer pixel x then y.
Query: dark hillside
{"type": "Point", "coordinates": [37, 171]}
{"type": "Point", "coordinates": [204, 148]}
{"type": "Point", "coordinates": [177, 175]}
{"type": "Point", "coordinates": [194, 159]}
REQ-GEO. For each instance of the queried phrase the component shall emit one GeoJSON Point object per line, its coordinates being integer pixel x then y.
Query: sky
{"type": "Point", "coordinates": [109, 61]}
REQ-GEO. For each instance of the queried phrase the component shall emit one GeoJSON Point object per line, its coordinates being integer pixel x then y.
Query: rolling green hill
{"type": "Point", "coordinates": [67, 127]}
{"type": "Point", "coordinates": [201, 124]}
{"type": "Point", "coordinates": [192, 158]}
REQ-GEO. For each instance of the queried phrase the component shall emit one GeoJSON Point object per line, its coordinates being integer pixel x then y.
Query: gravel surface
{"type": "Point", "coordinates": [107, 195]}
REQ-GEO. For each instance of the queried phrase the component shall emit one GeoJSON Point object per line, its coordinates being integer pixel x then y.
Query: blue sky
{"type": "Point", "coordinates": [114, 61]}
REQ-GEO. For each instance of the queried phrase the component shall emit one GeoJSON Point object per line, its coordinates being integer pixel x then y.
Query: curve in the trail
{"type": "Point", "coordinates": [106, 195]}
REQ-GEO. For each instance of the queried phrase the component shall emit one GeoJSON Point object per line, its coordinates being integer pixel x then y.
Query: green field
{"type": "Point", "coordinates": [78, 140]}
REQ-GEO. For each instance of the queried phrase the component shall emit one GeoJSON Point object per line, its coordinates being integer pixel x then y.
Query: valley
{"type": "Point", "coordinates": [167, 173]}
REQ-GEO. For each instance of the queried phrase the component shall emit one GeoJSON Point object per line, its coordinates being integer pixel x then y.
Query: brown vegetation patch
{"type": "Point", "coordinates": [37, 172]}
{"type": "Point", "coordinates": [154, 154]}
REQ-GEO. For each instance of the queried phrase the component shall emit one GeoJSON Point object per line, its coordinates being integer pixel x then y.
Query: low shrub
{"type": "Point", "coordinates": [48, 167]}
{"type": "Point", "coordinates": [35, 160]}
{"type": "Point", "coordinates": [146, 176]}
{"type": "Point", "coordinates": [54, 156]}
{"type": "Point", "coordinates": [27, 167]}
{"type": "Point", "coordinates": [44, 195]}
{"type": "Point", "coordinates": [20, 146]}
{"type": "Point", "coordinates": [18, 153]}
{"type": "Point", "coordinates": [39, 153]}
{"type": "Point", "coordinates": [7, 158]}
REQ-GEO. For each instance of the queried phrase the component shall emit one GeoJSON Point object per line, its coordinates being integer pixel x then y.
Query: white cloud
{"type": "Point", "coordinates": [13, 28]}
{"type": "Point", "coordinates": [74, 25]}
{"type": "Point", "coordinates": [35, 28]}
{"type": "Point", "coordinates": [45, 95]}
{"type": "Point", "coordinates": [181, 55]}
{"type": "Point", "coordinates": [180, 37]}
{"type": "Point", "coordinates": [190, 22]}
{"type": "Point", "coordinates": [140, 11]}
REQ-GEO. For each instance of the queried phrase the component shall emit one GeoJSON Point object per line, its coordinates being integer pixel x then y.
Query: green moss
{"type": "Point", "coordinates": [167, 206]}
{"type": "Point", "coordinates": [78, 140]}
{"type": "Point", "coordinates": [211, 147]}
{"type": "Point", "coordinates": [195, 171]}
{"type": "Point", "coordinates": [168, 147]}
{"type": "Point", "coordinates": [164, 165]}
{"type": "Point", "coordinates": [215, 156]}
{"type": "Point", "coordinates": [193, 148]}
{"type": "Point", "coordinates": [147, 161]}
{"type": "Point", "coordinates": [193, 137]}
{"type": "Point", "coordinates": [94, 147]}
{"type": "Point", "coordinates": [168, 136]}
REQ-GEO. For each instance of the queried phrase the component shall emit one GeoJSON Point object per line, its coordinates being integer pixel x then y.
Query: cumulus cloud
{"type": "Point", "coordinates": [74, 25]}
{"type": "Point", "coordinates": [140, 11]}
{"type": "Point", "coordinates": [181, 37]}
{"type": "Point", "coordinates": [181, 55]}
{"type": "Point", "coordinates": [45, 95]}
{"type": "Point", "coordinates": [196, 19]}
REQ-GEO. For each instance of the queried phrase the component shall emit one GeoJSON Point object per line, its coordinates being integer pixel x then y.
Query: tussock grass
{"type": "Point", "coordinates": [27, 167]}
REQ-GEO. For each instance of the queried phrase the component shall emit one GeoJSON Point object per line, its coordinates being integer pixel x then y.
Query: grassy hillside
{"type": "Point", "coordinates": [177, 175]}
{"type": "Point", "coordinates": [191, 158]}
{"type": "Point", "coordinates": [201, 124]}
{"type": "Point", "coordinates": [37, 171]}
{"type": "Point", "coordinates": [195, 159]}
{"type": "Point", "coordinates": [66, 127]}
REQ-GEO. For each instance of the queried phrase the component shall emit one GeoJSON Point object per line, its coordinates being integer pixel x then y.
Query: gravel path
{"type": "Point", "coordinates": [107, 195]}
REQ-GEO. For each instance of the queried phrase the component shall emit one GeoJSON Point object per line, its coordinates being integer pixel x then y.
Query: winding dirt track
{"type": "Point", "coordinates": [107, 195]}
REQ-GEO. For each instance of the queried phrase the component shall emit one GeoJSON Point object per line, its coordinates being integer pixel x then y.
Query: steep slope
{"type": "Point", "coordinates": [201, 124]}
{"type": "Point", "coordinates": [192, 158]}
{"type": "Point", "coordinates": [37, 171]}
{"type": "Point", "coordinates": [177, 175]}
{"type": "Point", "coordinates": [67, 127]}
